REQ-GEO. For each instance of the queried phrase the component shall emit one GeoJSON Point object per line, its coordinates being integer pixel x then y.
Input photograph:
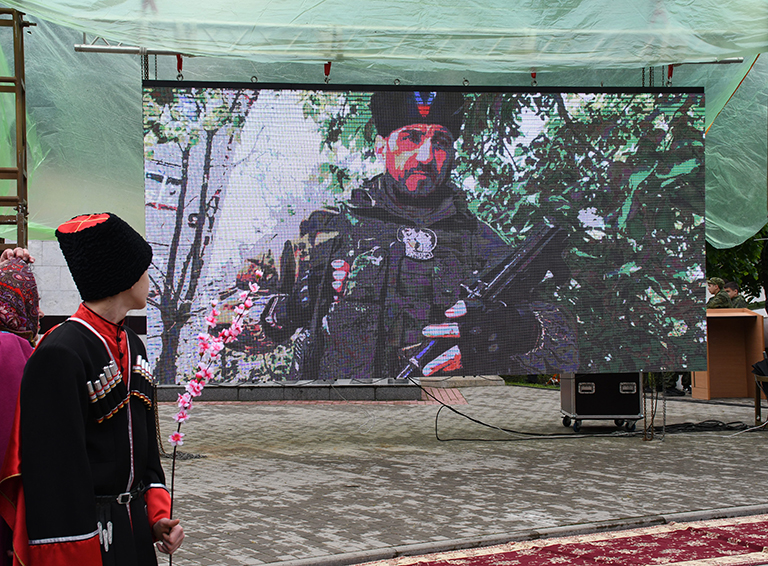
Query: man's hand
{"type": "Point", "coordinates": [169, 535]}
{"type": "Point", "coordinates": [478, 338]}
{"type": "Point", "coordinates": [275, 320]}
{"type": "Point", "coordinates": [20, 253]}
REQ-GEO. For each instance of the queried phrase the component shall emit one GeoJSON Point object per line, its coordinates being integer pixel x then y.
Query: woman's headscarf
{"type": "Point", "coordinates": [19, 301]}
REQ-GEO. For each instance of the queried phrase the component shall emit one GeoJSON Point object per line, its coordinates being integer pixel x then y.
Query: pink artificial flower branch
{"type": "Point", "coordinates": [209, 347]}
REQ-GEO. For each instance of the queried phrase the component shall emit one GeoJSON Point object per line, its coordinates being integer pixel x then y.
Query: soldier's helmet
{"type": "Point", "coordinates": [392, 110]}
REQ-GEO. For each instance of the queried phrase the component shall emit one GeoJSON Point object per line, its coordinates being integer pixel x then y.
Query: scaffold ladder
{"type": "Point", "coordinates": [16, 85]}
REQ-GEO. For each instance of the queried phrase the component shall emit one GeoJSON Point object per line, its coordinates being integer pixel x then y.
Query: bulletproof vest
{"type": "Point", "coordinates": [380, 282]}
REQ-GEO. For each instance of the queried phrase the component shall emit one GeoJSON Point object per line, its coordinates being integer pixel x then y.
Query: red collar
{"type": "Point", "coordinates": [113, 333]}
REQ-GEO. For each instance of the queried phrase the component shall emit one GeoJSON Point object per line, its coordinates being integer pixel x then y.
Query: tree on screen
{"type": "Point", "coordinates": [622, 173]}
{"type": "Point", "coordinates": [183, 134]}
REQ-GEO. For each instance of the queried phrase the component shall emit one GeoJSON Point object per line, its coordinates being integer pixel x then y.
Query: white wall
{"type": "Point", "coordinates": [58, 294]}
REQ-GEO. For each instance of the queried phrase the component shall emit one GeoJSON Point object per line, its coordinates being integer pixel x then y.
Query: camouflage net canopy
{"type": "Point", "coordinates": [85, 108]}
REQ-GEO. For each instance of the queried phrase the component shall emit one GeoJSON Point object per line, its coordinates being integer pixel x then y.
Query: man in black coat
{"type": "Point", "coordinates": [84, 470]}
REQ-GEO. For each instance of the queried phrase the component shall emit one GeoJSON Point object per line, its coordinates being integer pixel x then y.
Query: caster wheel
{"type": "Point", "coordinates": [630, 426]}
{"type": "Point", "coordinates": [566, 422]}
{"type": "Point", "coordinates": [618, 422]}
{"type": "Point", "coordinates": [576, 426]}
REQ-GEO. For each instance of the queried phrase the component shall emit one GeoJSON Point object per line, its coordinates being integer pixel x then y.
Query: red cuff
{"type": "Point", "coordinates": [158, 504]}
{"type": "Point", "coordinates": [80, 553]}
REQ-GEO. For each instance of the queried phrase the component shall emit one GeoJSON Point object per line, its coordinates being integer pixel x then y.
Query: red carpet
{"type": "Point", "coordinates": [739, 541]}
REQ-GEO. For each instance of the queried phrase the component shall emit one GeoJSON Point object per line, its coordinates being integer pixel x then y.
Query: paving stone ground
{"type": "Point", "coordinates": [282, 482]}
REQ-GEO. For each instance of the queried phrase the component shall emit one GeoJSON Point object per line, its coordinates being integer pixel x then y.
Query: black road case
{"type": "Point", "coordinates": [601, 396]}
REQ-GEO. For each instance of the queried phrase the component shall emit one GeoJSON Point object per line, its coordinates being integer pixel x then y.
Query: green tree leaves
{"type": "Point", "coordinates": [621, 172]}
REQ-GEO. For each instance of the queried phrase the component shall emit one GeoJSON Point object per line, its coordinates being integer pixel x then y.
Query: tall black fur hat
{"type": "Point", "coordinates": [393, 110]}
{"type": "Point", "coordinates": [104, 254]}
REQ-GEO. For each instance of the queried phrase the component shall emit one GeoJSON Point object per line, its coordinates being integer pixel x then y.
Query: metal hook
{"type": "Point", "coordinates": [465, 82]}
{"type": "Point", "coordinates": [179, 77]}
{"type": "Point", "coordinates": [397, 82]}
{"type": "Point", "coordinates": [254, 79]}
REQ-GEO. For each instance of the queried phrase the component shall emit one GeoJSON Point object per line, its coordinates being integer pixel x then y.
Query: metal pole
{"type": "Point", "coordinates": [123, 49]}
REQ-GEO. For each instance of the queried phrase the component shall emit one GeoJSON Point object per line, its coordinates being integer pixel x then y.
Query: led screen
{"type": "Point", "coordinates": [425, 231]}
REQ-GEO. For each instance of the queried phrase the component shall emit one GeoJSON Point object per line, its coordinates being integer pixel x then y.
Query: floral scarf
{"type": "Point", "coordinates": [19, 301]}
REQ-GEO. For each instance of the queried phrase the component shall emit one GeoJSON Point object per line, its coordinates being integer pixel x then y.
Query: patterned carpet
{"type": "Point", "coordinates": [739, 541]}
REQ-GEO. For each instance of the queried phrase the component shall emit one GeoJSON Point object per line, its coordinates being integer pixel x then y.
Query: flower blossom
{"type": "Point", "coordinates": [204, 375]}
{"type": "Point", "coordinates": [176, 439]}
{"type": "Point", "coordinates": [203, 342]}
{"type": "Point", "coordinates": [236, 329]}
{"type": "Point", "coordinates": [184, 401]}
{"type": "Point", "coordinates": [228, 335]}
{"type": "Point", "coordinates": [216, 347]}
{"type": "Point", "coordinates": [194, 388]}
{"type": "Point", "coordinates": [181, 417]}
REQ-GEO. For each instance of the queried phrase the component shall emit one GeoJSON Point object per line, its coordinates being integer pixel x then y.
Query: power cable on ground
{"type": "Point", "coordinates": [680, 428]}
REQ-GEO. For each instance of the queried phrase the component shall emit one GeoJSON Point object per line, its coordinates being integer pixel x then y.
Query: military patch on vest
{"type": "Point", "coordinates": [340, 273]}
{"type": "Point", "coordinates": [419, 242]}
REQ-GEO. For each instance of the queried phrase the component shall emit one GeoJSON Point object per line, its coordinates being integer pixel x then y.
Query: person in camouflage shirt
{"type": "Point", "coordinates": [737, 301]}
{"type": "Point", "coordinates": [380, 271]}
{"type": "Point", "coordinates": [720, 299]}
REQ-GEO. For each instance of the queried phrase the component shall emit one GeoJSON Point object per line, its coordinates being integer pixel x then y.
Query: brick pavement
{"type": "Point", "coordinates": [322, 483]}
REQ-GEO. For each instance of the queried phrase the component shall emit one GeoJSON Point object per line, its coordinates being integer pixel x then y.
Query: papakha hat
{"type": "Point", "coordinates": [394, 109]}
{"type": "Point", "coordinates": [716, 281]}
{"type": "Point", "coordinates": [104, 254]}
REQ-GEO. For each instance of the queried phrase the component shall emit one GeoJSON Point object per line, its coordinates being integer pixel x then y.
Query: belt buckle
{"type": "Point", "coordinates": [124, 498]}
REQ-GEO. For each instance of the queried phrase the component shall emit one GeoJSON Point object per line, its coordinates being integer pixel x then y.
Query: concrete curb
{"type": "Point", "coordinates": [352, 558]}
{"type": "Point", "coordinates": [339, 390]}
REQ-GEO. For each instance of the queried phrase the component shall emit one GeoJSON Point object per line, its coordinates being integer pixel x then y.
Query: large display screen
{"type": "Point", "coordinates": [426, 230]}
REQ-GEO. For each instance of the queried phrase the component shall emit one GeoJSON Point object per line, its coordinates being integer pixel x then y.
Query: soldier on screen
{"type": "Point", "coordinates": [393, 266]}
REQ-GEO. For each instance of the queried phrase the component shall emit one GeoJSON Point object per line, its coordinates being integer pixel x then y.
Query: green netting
{"type": "Point", "coordinates": [736, 150]}
{"type": "Point", "coordinates": [493, 36]}
{"type": "Point", "coordinates": [85, 108]}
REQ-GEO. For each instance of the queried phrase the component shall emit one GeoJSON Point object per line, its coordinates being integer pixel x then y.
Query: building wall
{"type": "Point", "coordinates": [59, 297]}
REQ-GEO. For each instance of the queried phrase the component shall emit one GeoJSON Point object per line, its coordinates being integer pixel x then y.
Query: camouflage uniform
{"type": "Point", "coordinates": [370, 275]}
{"type": "Point", "coordinates": [720, 301]}
{"type": "Point", "coordinates": [738, 302]}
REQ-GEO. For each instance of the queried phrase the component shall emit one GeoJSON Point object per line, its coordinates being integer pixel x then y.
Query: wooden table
{"type": "Point", "coordinates": [734, 342]}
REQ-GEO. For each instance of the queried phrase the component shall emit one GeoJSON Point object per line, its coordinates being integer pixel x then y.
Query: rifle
{"type": "Point", "coordinates": [524, 269]}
